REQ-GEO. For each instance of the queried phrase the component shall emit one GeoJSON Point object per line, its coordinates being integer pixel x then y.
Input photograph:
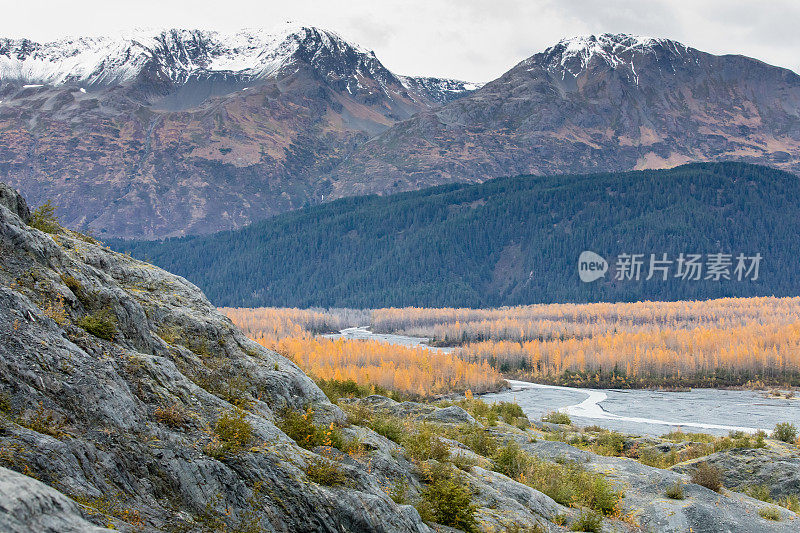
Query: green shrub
{"type": "Point", "coordinates": [680, 436]}
{"type": "Point", "coordinates": [572, 485]}
{"type": "Point", "coordinates": [44, 218]}
{"type": "Point", "coordinates": [511, 461]}
{"type": "Point", "coordinates": [759, 492]}
{"type": "Point", "coordinates": [424, 445]}
{"type": "Point", "coordinates": [588, 521]}
{"type": "Point", "coordinates": [335, 389]}
{"type": "Point", "coordinates": [390, 427]}
{"type": "Point", "coordinates": [299, 426]}
{"type": "Point", "coordinates": [479, 441]}
{"type": "Point", "coordinates": [325, 472]}
{"type": "Point", "coordinates": [557, 418]}
{"type": "Point", "coordinates": [790, 502]}
{"type": "Point", "coordinates": [770, 513]}
{"type": "Point", "coordinates": [232, 433]}
{"type": "Point", "coordinates": [447, 500]}
{"type": "Point", "coordinates": [508, 411]}
{"type": "Point", "coordinates": [5, 403]}
{"type": "Point", "coordinates": [399, 493]}
{"type": "Point", "coordinates": [675, 491]}
{"type": "Point", "coordinates": [173, 415]}
{"type": "Point", "coordinates": [785, 432]}
{"type": "Point", "coordinates": [102, 324]}
{"type": "Point", "coordinates": [609, 443]}
{"type": "Point", "coordinates": [707, 476]}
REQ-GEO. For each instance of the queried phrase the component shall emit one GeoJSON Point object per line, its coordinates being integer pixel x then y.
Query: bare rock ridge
{"type": "Point", "coordinates": [128, 402]}
{"type": "Point", "coordinates": [91, 401]}
{"type": "Point", "coordinates": [159, 134]}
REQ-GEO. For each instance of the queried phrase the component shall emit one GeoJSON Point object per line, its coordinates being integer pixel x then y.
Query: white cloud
{"type": "Point", "coordinates": [468, 39]}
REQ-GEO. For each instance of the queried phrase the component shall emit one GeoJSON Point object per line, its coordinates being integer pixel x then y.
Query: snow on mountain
{"type": "Point", "coordinates": [179, 55]}
{"type": "Point", "coordinates": [176, 53]}
{"type": "Point", "coordinates": [440, 90]}
{"type": "Point", "coordinates": [574, 55]}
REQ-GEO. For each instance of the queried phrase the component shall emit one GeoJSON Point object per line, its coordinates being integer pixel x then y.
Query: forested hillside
{"type": "Point", "coordinates": [507, 241]}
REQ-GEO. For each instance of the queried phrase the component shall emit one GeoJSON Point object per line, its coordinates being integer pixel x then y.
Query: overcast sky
{"type": "Point", "coordinates": [466, 39]}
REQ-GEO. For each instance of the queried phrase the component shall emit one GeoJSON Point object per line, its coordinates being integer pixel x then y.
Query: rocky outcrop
{"type": "Point", "coordinates": [14, 203]}
{"type": "Point", "coordinates": [29, 505]}
{"type": "Point", "coordinates": [113, 375]}
{"type": "Point", "coordinates": [776, 467]}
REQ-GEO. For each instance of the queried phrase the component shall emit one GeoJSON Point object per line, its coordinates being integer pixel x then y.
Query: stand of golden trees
{"type": "Point", "coordinates": [409, 370]}
{"type": "Point", "coordinates": [452, 326]}
{"type": "Point", "coordinates": [729, 341]}
{"type": "Point", "coordinates": [722, 356]}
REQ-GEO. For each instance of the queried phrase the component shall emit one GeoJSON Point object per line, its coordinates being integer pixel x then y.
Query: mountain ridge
{"type": "Point", "coordinates": [190, 149]}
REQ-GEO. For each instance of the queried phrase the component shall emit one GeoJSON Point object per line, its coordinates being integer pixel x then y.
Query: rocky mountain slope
{"type": "Point", "coordinates": [188, 132]}
{"type": "Point", "coordinates": [607, 102]}
{"type": "Point", "coordinates": [192, 131]}
{"type": "Point", "coordinates": [128, 402]}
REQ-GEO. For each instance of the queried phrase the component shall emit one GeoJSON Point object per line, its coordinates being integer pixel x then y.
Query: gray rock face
{"type": "Point", "coordinates": [776, 467]}
{"type": "Point", "coordinates": [28, 505]}
{"type": "Point", "coordinates": [450, 415]}
{"type": "Point", "coordinates": [117, 414]}
{"type": "Point", "coordinates": [14, 202]}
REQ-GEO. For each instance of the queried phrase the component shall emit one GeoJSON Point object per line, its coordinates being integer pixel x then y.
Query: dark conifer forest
{"type": "Point", "coordinates": [507, 241]}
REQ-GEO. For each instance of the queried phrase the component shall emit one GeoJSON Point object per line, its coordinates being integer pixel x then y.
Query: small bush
{"type": "Point", "coordinates": [72, 284]}
{"type": "Point", "coordinates": [609, 443]}
{"type": "Point", "coordinates": [511, 461]}
{"type": "Point", "coordinates": [399, 492]}
{"type": "Point", "coordinates": [675, 491]}
{"type": "Point", "coordinates": [5, 403]}
{"type": "Point", "coordinates": [508, 411]}
{"type": "Point", "coordinates": [557, 418]}
{"type": "Point", "coordinates": [299, 426]}
{"type": "Point", "coordinates": [232, 433]}
{"type": "Point", "coordinates": [588, 521]}
{"type": "Point", "coordinates": [447, 500]}
{"type": "Point", "coordinates": [572, 485]}
{"type": "Point", "coordinates": [102, 324]}
{"type": "Point", "coordinates": [77, 289]}
{"type": "Point", "coordinates": [173, 415]}
{"type": "Point", "coordinates": [770, 513]}
{"type": "Point", "coordinates": [759, 492]}
{"type": "Point", "coordinates": [44, 218]}
{"type": "Point", "coordinates": [707, 476]}
{"type": "Point", "coordinates": [390, 427]}
{"type": "Point", "coordinates": [325, 472]}
{"type": "Point", "coordinates": [785, 432]}
{"type": "Point", "coordinates": [480, 441]}
{"type": "Point", "coordinates": [424, 445]}
{"type": "Point", "coordinates": [790, 502]}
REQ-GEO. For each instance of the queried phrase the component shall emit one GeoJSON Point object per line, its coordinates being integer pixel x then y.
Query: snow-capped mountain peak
{"type": "Point", "coordinates": [178, 54]}
{"type": "Point", "coordinates": [574, 55]}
